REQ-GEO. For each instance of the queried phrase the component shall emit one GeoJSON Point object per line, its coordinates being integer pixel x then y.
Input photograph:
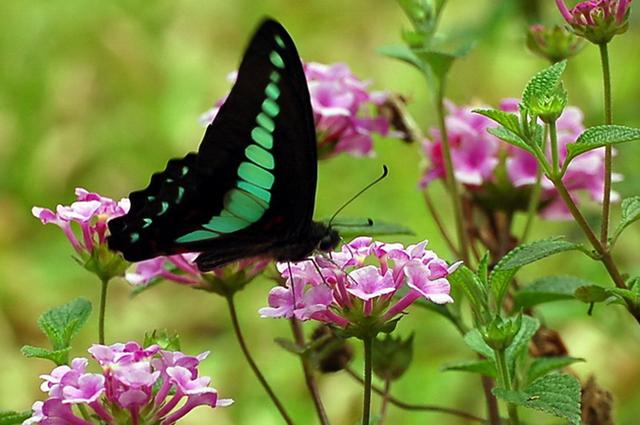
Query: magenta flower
{"type": "Point", "coordinates": [182, 269]}
{"type": "Point", "coordinates": [597, 20]}
{"type": "Point", "coordinates": [139, 385]}
{"type": "Point", "coordinates": [366, 282]}
{"type": "Point", "coordinates": [84, 222]}
{"type": "Point", "coordinates": [344, 110]}
{"type": "Point", "coordinates": [481, 159]}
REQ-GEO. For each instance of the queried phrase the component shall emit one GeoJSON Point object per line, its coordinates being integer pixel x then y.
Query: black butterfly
{"type": "Point", "coordinates": [250, 189]}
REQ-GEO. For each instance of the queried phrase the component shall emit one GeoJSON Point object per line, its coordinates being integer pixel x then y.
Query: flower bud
{"type": "Point", "coordinates": [555, 44]}
{"type": "Point", "coordinates": [597, 20]}
{"type": "Point", "coordinates": [331, 352]}
{"type": "Point", "coordinates": [392, 356]}
{"type": "Point", "coordinates": [549, 108]}
{"type": "Point", "coordinates": [499, 333]}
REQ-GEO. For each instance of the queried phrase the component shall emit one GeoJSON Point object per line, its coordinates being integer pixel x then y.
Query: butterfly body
{"type": "Point", "coordinates": [250, 189]}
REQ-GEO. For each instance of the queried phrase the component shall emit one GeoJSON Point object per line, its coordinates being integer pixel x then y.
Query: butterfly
{"type": "Point", "coordinates": [250, 189]}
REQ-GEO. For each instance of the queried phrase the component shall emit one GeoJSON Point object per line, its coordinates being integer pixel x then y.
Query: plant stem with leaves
{"type": "Point", "coordinates": [504, 380]}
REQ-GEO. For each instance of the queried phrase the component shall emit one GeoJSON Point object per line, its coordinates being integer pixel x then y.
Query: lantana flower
{"type": "Point", "coordinates": [366, 284]}
{"type": "Point", "coordinates": [597, 20]}
{"type": "Point", "coordinates": [84, 222]}
{"type": "Point", "coordinates": [137, 385]}
{"type": "Point", "coordinates": [481, 161]}
{"type": "Point", "coordinates": [181, 268]}
{"type": "Point", "coordinates": [344, 110]}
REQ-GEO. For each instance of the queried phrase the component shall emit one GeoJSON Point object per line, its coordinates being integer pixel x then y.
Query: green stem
{"type": "Point", "coordinates": [536, 191]}
{"type": "Point", "coordinates": [555, 163]}
{"type": "Point", "coordinates": [104, 284]}
{"type": "Point", "coordinates": [452, 184]}
{"type": "Point", "coordinates": [608, 162]}
{"type": "Point", "coordinates": [504, 380]}
{"type": "Point", "coordinates": [252, 364]}
{"type": "Point", "coordinates": [366, 404]}
{"type": "Point", "coordinates": [309, 377]}
{"type": "Point", "coordinates": [438, 221]}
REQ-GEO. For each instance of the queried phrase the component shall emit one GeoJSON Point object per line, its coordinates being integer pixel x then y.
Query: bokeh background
{"type": "Point", "coordinates": [101, 94]}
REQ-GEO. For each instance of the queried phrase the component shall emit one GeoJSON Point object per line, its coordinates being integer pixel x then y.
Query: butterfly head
{"type": "Point", "coordinates": [329, 240]}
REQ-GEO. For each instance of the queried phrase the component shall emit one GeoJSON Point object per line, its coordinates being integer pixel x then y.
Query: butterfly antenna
{"type": "Point", "coordinates": [385, 172]}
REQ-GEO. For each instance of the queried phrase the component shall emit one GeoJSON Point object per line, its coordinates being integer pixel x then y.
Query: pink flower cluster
{"type": "Point", "coordinates": [477, 158]}
{"type": "Point", "coordinates": [137, 385]}
{"type": "Point", "coordinates": [342, 108]}
{"type": "Point", "coordinates": [182, 269]}
{"type": "Point", "coordinates": [366, 279]}
{"type": "Point", "coordinates": [597, 20]}
{"type": "Point", "coordinates": [91, 212]}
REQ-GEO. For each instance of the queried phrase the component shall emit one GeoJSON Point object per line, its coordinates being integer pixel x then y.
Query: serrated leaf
{"type": "Point", "coordinates": [630, 213]}
{"type": "Point", "coordinates": [599, 136]}
{"type": "Point", "coordinates": [510, 137]}
{"type": "Point", "coordinates": [558, 395]}
{"type": "Point", "coordinates": [521, 340]}
{"type": "Point", "coordinates": [520, 256]}
{"type": "Point", "coordinates": [474, 340]}
{"type": "Point", "coordinates": [548, 289]}
{"type": "Point", "coordinates": [483, 367]}
{"type": "Point", "coordinates": [440, 63]}
{"type": "Point", "coordinates": [349, 227]}
{"type": "Point", "coordinates": [59, 357]}
{"type": "Point", "coordinates": [10, 417]}
{"type": "Point", "coordinates": [543, 365]}
{"type": "Point", "coordinates": [506, 119]}
{"type": "Point", "coordinates": [543, 85]}
{"type": "Point", "coordinates": [62, 323]}
{"type": "Point", "coordinates": [591, 294]}
{"type": "Point", "coordinates": [472, 287]}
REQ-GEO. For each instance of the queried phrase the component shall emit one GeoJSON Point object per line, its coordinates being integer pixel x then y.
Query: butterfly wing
{"type": "Point", "coordinates": [251, 186]}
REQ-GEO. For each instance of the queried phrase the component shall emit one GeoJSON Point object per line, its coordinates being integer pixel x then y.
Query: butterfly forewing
{"type": "Point", "coordinates": [251, 187]}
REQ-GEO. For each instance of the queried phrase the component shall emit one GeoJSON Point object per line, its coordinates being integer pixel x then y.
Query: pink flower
{"type": "Point", "coordinates": [182, 269]}
{"type": "Point", "coordinates": [597, 20]}
{"type": "Point", "coordinates": [480, 159]}
{"type": "Point", "coordinates": [343, 110]}
{"type": "Point", "coordinates": [84, 222]}
{"type": "Point", "coordinates": [359, 283]}
{"type": "Point", "coordinates": [148, 384]}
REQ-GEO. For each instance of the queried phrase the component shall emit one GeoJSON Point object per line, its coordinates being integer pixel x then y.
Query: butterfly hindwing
{"type": "Point", "coordinates": [251, 187]}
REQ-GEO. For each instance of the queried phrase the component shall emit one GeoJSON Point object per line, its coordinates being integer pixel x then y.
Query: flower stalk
{"type": "Point", "coordinates": [104, 285]}
{"type": "Point", "coordinates": [452, 184]}
{"type": "Point", "coordinates": [252, 364]}
{"type": "Point", "coordinates": [366, 404]}
{"type": "Point", "coordinates": [608, 162]}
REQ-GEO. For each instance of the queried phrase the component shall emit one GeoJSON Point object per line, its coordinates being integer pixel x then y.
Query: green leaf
{"type": "Point", "coordinates": [62, 323]}
{"type": "Point", "coordinates": [59, 357]}
{"type": "Point", "coordinates": [522, 255]}
{"type": "Point", "coordinates": [599, 136]}
{"type": "Point", "coordinates": [510, 137]}
{"type": "Point", "coordinates": [548, 289]}
{"type": "Point", "coordinates": [506, 119]}
{"type": "Point", "coordinates": [404, 54]}
{"type": "Point", "coordinates": [9, 417]}
{"type": "Point", "coordinates": [349, 227]}
{"type": "Point", "coordinates": [483, 367]}
{"type": "Point", "coordinates": [474, 340]}
{"type": "Point", "coordinates": [169, 341]}
{"type": "Point", "coordinates": [630, 213]}
{"type": "Point", "coordinates": [440, 63]}
{"type": "Point", "coordinates": [520, 342]}
{"type": "Point", "coordinates": [543, 85]}
{"type": "Point", "coordinates": [591, 294]}
{"type": "Point", "coordinates": [472, 287]}
{"type": "Point", "coordinates": [558, 395]}
{"type": "Point", "coordinates": [543, 365]}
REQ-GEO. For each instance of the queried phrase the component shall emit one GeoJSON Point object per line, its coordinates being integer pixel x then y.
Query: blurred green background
{"type": "Point", "coordinates": [101, 94]}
